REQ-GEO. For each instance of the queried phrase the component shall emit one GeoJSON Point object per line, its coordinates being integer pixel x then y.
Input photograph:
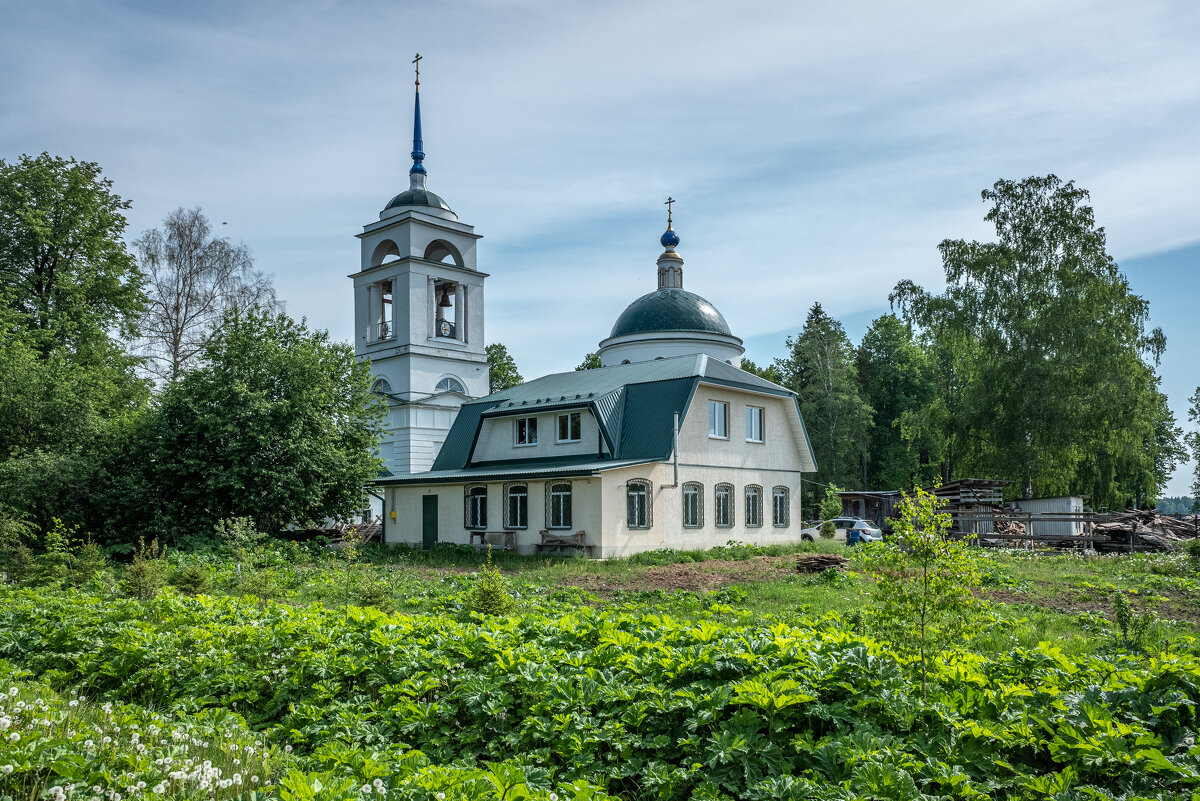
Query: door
{"type": "Point", "coordinates": [429, 521]}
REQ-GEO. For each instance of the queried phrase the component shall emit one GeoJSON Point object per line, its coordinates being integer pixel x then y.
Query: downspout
{"type": "Point", "coordinates": [675, 448]}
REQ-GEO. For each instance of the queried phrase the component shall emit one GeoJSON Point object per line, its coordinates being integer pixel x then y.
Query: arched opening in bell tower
{"type": "Point", "coordinates": [442, 251]}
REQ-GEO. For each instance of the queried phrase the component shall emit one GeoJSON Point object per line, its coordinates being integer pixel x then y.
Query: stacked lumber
{"type": "Point", "coordinates": [819, 562]}
{"type": "Point", "coordinates": [1153, 531]}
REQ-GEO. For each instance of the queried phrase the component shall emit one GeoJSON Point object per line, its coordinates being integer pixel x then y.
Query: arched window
{"type": "Point", "coordinates": [450, 384]}
{"type": "Point", "coordinates": [638, 503]}
{"type": "Point", "coordinates": [516, 506]}
{"type": "Point", "coordinates": [381, 386]}
{"type": "Point", "coordinates": [781, 507]}
{"type": "Point", "coordinates": [385, 251]}
{"type": "Point", "coordinates": [723, 506]}
{"type": "Point", "coordinates": [558, 505]}
{"type": "Point", "coordinates": [693, 504]}
{"type": "Point", "coordinates": [475, 516]}
{"type": "Point", "coordinates": [754, 503]}
{"type": "Point", "coordinates": [441, 250]}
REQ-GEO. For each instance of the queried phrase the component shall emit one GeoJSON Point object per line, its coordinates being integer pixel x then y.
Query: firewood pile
{"type": "Point", "coordinates": [1010, 528]}
{"type": "Point", "coordinates": [1154, 531]}
{"type": "Point", "coordinates": [819, 562]}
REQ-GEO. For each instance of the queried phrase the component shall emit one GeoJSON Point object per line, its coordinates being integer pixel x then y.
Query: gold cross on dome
{"type": "Point", "coordinates": [670, 200]}
{"type": "Point", "coordinates": [417, 61]}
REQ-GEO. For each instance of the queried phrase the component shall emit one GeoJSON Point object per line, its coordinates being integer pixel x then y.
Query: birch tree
{"type": "Point", "coordinates": [193, 277]}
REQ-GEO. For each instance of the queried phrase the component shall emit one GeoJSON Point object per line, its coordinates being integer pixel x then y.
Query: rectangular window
{"type": "Point", "coordinates": [754, 424]}
{"type": "Point", "coordinates": [753, 505]}
{"type": "Point", "coordinates": [637, 504]}
{"type": "Point", "coordinates": [516, 507]}
{"type": "Point", "coordinates": [477, 508]}
{"type": "Point", "coordinates": [570, 427]}
{"type": "Point", "coordinates": [693, 505]}
{"type": "Point", "coordinates": [718, 419]}
{"type": "Point", "coordinates": [780, 507]}
{"type": "Point", "coordinates": [723, 506]}
{"type": "Point", "coordinates": [559, 509]}
{"type": "Point", "coordinates": [525, 431]}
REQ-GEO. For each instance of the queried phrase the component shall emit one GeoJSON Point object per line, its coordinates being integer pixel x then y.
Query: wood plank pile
{"type": "Point", "coordinates": [1155, 531]}
{"type": "Point", "coordinates": [819, 562]}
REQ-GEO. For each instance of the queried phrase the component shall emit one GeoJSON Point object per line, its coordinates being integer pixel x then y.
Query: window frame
{"type": "Point", "coordinates": [647, 492]}
{"type": "Point", "coordinates": [697, 489]}
{"type": "Point", "coordinates": [730, 510]}
{"type": "Point", "coordinates": [517, 421]}
{"type": "Point", "coordinates": [509, 489]}
{"type": "Point", "coordinates": [762, 416]}
{"type": "Point", "coordinates": [577, 417]}
{"type": "Point", "coordinates": [718, 426]}
{"type": "Point", "coordinates": [452, 385]}
{"type": "Point", "coordinates": [472, 520]}
{"type": "Point", "coordinates": [777, 492]}
{"type": "Point", "coordinates": [753, 495]}
{"type": "Point", "coordinates": [550, 497]}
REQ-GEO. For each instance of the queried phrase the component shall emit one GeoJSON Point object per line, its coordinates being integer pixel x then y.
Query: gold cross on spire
{"type": "Point", "coordinates": [417, 61]}
{"type": "Point", "coordinates": [670, 200]}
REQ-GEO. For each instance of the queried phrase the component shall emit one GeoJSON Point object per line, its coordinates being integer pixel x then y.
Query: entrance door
{"type": "Point", "coordinates": [429, 521]}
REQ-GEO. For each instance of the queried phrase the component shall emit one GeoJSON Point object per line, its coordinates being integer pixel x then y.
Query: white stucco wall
{"type": "Point", "coordinates": [496, 438]}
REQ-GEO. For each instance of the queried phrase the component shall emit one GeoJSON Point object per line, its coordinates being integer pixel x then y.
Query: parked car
{"type": "Point", "coordinates": [866, 532]}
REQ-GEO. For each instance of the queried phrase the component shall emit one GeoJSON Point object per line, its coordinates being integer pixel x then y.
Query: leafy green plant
{"type": "Point", "coordinates": [375, 592]}
{"type": "Point", "coordinates": [147, 575]}
{"type": "Point", "coordinates": [1192, 552]}
{"type": "Point", "coordinates": [240, 536]}
{"type": "Point", "coordinates": [1134, 628]}
{"type": "Point", "coordinates": [87, 560]}
{"type": "Point", "coordinates": [828, 529]}
{"type": "Point", "coordinates": [925, 582]}
{"type": "Point", "coordinates": [54, 563]}
{"type": "Point", "coordinates": [489, 594]}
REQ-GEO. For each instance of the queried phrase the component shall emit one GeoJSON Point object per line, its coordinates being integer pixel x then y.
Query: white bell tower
{"type": "Point", "coordinates": [418, 314]}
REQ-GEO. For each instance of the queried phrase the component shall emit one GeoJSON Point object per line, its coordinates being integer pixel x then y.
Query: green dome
{"type": "Point", "coordinates": [417, 197]}
{"type": "Point", "coordinates": [670, 310]}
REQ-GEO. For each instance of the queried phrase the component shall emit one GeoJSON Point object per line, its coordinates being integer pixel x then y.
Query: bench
{"type": "Point", "coordinates": [562, 541]}
{"type": "Point", "coordinates": [507, 539]}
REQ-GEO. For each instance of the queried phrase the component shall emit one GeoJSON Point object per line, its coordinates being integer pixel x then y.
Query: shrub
{"type": "Point", "coordinates": [239, 535]}
{"type": "Point", "coordinates": [374, 592]}
{"type": "Point", "coordinates": [87, 560]}
{"type": "Point", "coordinates": [831, 503]}
{"type": "Point", "coordinates": [147, 575]}
{"type": "Point", "coordinates": [1134, 628]}
{"type": "Point", "coordinates": [261, 583]}
{"type": "Point", "coordinates": [19, 565]}
{"type": "Point", "coordinates": [489, 594]}
{"type": "Point", "coordinates": [192, 579]}
{"type": "Point", "coordinates": [1192, 550]}
{"type": "Point", "coordinates": [828, 529]}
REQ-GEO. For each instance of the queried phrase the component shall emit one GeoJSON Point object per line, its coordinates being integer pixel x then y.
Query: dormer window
{"type": "Point", "coordinates": [570, 427]}
{"type": "Point", "coordinates": [525, 431]}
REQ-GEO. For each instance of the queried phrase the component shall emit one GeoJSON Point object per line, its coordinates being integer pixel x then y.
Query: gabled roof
{"type": "Point", "coordinates": [634, 405]}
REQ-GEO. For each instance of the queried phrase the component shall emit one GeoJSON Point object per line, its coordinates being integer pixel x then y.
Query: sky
{"type": "Point", "coordinates": [818, 151]}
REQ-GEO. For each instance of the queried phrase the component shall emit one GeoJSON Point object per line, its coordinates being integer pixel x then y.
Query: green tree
{"type": "Point", "coordinates": [70, 295]}
{"type": "Point", "coordinates": [590, 362]}
{"type": "Point", "coordinates": [1044, 355]}
{"type": "Point", "coordinates": [897, 380]}
{"type": "Point", "coordinates": [502, 368]}
{"type": "Point", "coordinates": [769, 371]}
{"type": "Point", "coordinates": [831, 503]}
{"type": "Point", "coordinates": [65, 272]}
{"type": "Point", "coordinates": [820, 368]}
{"type": "Point", "coordinates": [925, 583]}
{"type": "Point", "coordinates": [1193, 443]}
{"type": "Point", "coordinates": [279, 425]}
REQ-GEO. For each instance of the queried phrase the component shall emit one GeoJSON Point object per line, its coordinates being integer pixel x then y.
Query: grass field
{"type": "Point", "coordinates": [309, 674]}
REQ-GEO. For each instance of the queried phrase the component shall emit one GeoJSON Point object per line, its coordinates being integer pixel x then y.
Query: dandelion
{"type": "Point", "coordinates": [441, 797]}
{"type": "Point", "coordinates": [107, 740]}
{"type": "Point", "coordinates": [254, 780]}
{"type": "Point", "coordinates": [12, 691]}
{"type": "Point", "coordinates": [7, 769]}
{"type": "Point", "coordinates": [14, 737]}
{"type": "Point", "coordinates": [366, 788]}
{"type": "Point", "coordinates": [287, 749]}
{"type": "Point", "coordinates": [96, 789]}
{"type": "Point", "coordinates": [74, 703]}
{"type": "Point", "coordinates": [378, 782]}
{"type": "Point", "coordinates": [554, 797]}
{"type": "Point", "coordinates": [381, 790]}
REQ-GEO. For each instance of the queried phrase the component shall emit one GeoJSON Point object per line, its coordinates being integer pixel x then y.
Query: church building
{"type": "Point", "coordinates": [667, 445]}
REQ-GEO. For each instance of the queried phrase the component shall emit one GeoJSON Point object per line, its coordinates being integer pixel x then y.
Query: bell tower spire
{"type": "Point", "coordinates": [417, 173]}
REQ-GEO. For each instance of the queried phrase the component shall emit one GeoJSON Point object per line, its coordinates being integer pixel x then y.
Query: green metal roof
{"type": "Point", "coordinates": [634, 405]}
{"type": "Point", "coordinates": [670, 310]}
{"type": "Point", "coordinates": [515, 468]}
{"type": "Point", "coordinates": [417, 197]}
